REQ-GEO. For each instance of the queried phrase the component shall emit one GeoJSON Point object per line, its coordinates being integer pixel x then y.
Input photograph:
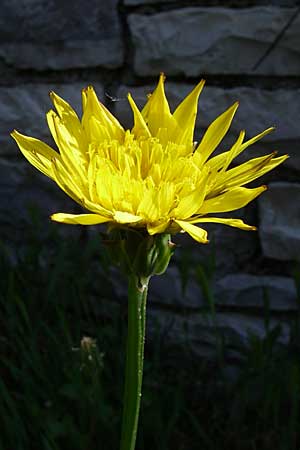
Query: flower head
{"type": "Point", "coordinates": [152, 177]}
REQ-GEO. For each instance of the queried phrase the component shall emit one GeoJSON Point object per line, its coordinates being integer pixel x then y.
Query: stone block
{"type": "Point", "coordinates": [213, 2]}
{"type": "Point", "coordinates": [168, 290]}
{"type": "Point", "coordinates": [59, 35]}
{"type": "Point", "coordinates": [202, 333]}
{"type": "Point", "coordinates": [279, 212]}
{"type": "Point", "coordinates": [23, 187]}
{"type": "Point", "coordinates": [24, 108]}
{"type": "Point", "coordinates": [247, 291]}
{"type": "Point", "coordinates": [215, 40]}
{"type": "Point", "coordinates": [144, 2]}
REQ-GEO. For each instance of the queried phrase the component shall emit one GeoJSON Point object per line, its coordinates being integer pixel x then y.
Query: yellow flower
{"type": "Point", "coordinates": [153, 177]}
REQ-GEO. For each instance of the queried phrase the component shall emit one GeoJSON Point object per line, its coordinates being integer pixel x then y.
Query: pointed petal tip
{"type": "Point", "coordinates": [54, 96]}
{"type": "Point", "coordinates": [51, 113]}
{"type": "Point", "coordinates": [88, 90]}
{"type": "Point", "coordinates": [199, 86]}
{"type": "Point", "coordinates": [14, 133]}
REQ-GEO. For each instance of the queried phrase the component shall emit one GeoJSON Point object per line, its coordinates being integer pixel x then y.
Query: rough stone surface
{"type": "Point", "coordinates": [24, 107]}
{"type": "Point", "coordinates": [279, 229]}
{"type": "Point", "coordinates": [236, 292]}
{"type": "Point", "coordinates": [23, 187]}
{"type": "Point", "coordinates": [201, 333]}
{"type": "Point", "coordinates": [215, 2]}
{"type": "Point", "coordinates": [250, 291]}
{"type": "Point", "coordinates": [259, 109]}
{"type": "Point", "coordinates": [144, 2]}
{"type": "Point", "coordinates": [195, 41]}
{"type": "Point", "coordinates": [168, 290]}
{"type": "Point", "coordinates": [41, 34]}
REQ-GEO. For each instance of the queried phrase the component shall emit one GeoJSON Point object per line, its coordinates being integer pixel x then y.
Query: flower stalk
{"type": "Point", "coordinates": [137, 297]}
{"type": "Point", "coordinates": [139, 257]}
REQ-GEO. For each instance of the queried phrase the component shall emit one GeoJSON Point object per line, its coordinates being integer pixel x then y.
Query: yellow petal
{"type": "Point", "coordinates": [256, 138]}
{"type": "Point", "coordinates": [97, 131]}
{"type": "Point", "coordinates": [79, 219]}
{"type": "Point", "coordinates": [36, 152]}
{"type": "Point", "coordinates": [233, 152]}
{"type": "Point", "coordinates": [70, 120]}
{"type": "Point", "coordinates": [157, 227]}
{"type": "Point", "coordinates": [217, 161]}
{"type": "Point", "coordinates": [125, 217]}
{"type": "Point", "coordinates": [93, 107]}
{"type": "Point", "coordinates": [148, 207]}
{"type": "Point", "coordinates": [65, 111]}
{"type": "Point", "coordinates": [197, 233]}
{"type": "Point", "coordinates": [70, 152]}
{"type": "Point", "coordinates": [62, 177]}
{"type": "Point", "coordinates": [237, 223]}
{"type": "Point", "coordinates": [185, 116]}
{"type": "Point", "coordinates": [249, 171]}
{"type": "Point", "coordinates": [189, 205]}
{"type": "Point", "coordinates": [83, 99]}
{"type": "Point", "coordinates": [235, 198]}
{"type": "Point", "coordinates": [215, 132]}
{"type": "Point", "coordinates": [140, 128]}
{"type": "Point", "coordinates": [156, 112]}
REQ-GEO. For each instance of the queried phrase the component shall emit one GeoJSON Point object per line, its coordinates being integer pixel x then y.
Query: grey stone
{"type": "Point", "coordinates": [144, 2]}
{"type": "Point", "coordinates": [24, 108]}
{"type": "Point", "coordinates": [259, 109]}
{"type": "Point", "coordinates": [23, 187]}
{"type": "Point", "coordinates": [243, 290]}
{"type": "Point", "coordinates": [168, 290]}
{"type": "Point", "coordinates": [202, 334]}
{"type": "Point", "coordinates": [199, 40]}
{"type": "Point", "coordinates": [41, 34]}
{"type": "Point", "coordinates": [215, 2]}
{"type": "Point", "coordinates": [236, 291]}
{"type": "Point", "coordinates": [182, 320]}
{"type": "Point", "coordinates": [279, 230]}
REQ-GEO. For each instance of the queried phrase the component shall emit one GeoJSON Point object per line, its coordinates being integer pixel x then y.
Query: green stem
{"type": "Point", "coordinates": [137, 296]}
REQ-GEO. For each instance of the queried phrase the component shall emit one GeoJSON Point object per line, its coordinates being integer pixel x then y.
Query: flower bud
{"type": "Point", "coordinates": [139, 253]}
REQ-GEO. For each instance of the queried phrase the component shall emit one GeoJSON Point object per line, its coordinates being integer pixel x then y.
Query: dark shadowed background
{"type": "Point", "coordinates": [222, 364]}
{"type": "Point", "coordinates": [246, 50]}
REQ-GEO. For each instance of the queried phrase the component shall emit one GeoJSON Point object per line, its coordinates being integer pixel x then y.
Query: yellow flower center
{"type": "Point", "coordinates": [142, 177]}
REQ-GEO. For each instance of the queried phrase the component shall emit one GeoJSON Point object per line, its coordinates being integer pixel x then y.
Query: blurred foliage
{"type": "Point", "coordinates": [62, 343]}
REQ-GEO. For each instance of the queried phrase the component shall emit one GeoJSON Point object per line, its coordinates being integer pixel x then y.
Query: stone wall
{"type": "Point", "coordinates": [247, 50]}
